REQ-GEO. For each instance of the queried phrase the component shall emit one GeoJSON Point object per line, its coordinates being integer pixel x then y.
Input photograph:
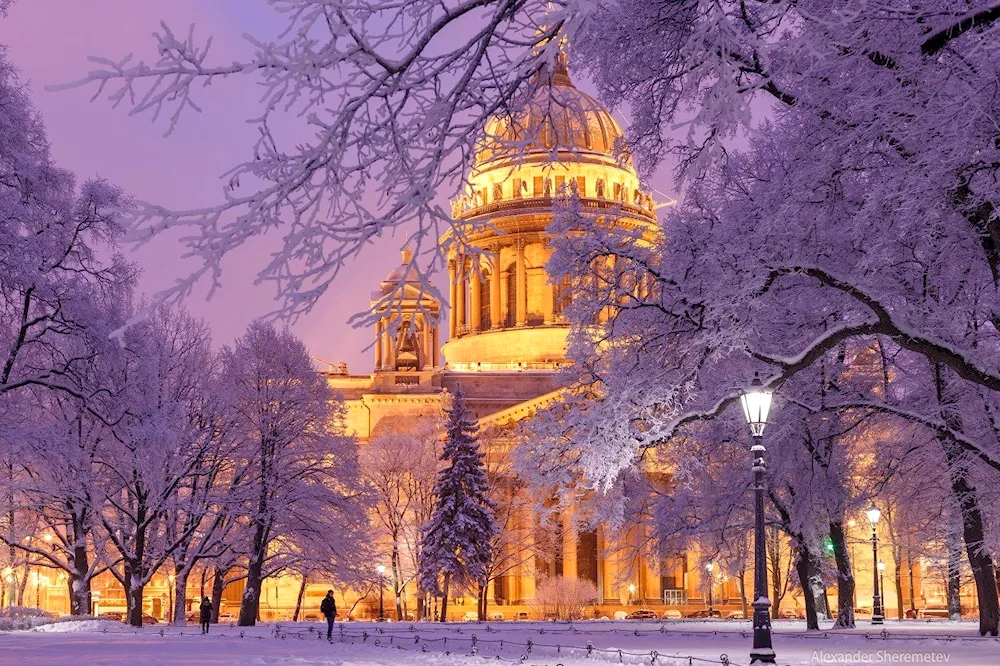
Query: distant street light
{"type": "Point", "coordinates": [381, 590]}
{"type": "Point", "coordinates": [873, 515]}
{"type": "Point", "coordinates": [756, 406]}
{"type": "Point", "coordinates": [711, 584]}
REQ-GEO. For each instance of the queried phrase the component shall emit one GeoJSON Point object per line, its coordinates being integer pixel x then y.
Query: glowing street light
{"type": "Point", "coordinates": [710, 567]}
{"type": "Point", "coordinates": [873, 515]}
{"type": "Point", "coordinates": [756, 402]}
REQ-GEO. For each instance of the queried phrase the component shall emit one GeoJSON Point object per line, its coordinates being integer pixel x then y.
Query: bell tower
{"type": "Point", "coordinates": [406, 331]}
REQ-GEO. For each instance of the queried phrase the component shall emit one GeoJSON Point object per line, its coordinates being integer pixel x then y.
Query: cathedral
{"type": "Point", "coordinates": [507, 335]}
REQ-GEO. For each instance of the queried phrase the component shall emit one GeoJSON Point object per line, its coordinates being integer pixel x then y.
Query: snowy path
{"type": "Point", "coordinates": [366, 644]}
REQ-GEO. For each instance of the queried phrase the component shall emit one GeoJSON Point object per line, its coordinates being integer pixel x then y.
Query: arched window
{"type": "Point", "coordinates": [485, 322]}
{"type": "Point", "coordinates": [510, 318]}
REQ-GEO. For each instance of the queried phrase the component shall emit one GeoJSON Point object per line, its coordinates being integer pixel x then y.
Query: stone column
{"type": "Point", "coordinates": [434, 346]}
{"type": "Point", "coordinates": [452, 315]}
{"type": "Point", "coordinates": [387, 347]}
{"type": "Point", "coordinates": [425, 343]}
{"type": "Point", "coordinates": [495, 292]}
{"type": "Point", "coordinates": [569, 541]}
{"type": "Point", "coordinates": [459, 302]}
{"type": "Point", "coordinates": [379, 327]}
{"type": "Point", "coordinates": [522, 286]}
{"type": "Point", "coordinates": [476, 306]}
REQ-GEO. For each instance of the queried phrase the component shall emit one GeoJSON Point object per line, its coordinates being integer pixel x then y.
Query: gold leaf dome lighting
{"type": "Point", "coordinates": [556, 140]}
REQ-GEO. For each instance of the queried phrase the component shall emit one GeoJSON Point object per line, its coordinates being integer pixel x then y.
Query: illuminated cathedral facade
{"type": "Point", "coordinates": [506, 333]}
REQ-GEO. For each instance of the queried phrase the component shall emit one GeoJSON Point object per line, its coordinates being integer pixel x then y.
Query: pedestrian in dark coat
{"type": "Point", "coordinates": [205, 614]}
{"type": "Point", "coordinates": [329, 610]}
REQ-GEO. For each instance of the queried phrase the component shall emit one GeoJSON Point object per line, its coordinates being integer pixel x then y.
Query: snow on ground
{"type": "Point", "coordinates": [677, 643]}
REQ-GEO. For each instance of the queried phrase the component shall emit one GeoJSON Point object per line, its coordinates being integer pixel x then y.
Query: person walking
{"type": "Point", "coordinates": [329, 610]}
{"type": "Point", "coordinates": [205, 614]}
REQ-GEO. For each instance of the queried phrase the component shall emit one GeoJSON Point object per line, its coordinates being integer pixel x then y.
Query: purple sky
{"type": "Point", "coordinates": [50, 40]}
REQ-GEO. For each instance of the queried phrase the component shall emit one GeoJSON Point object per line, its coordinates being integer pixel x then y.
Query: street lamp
{"type": "Point", "coordinates": [873, 515]}
{"type": "Point", "coordinates": [631, 594]}
{"type": "Point", "coordinates": [711, 584]}
{"type": "Point", "coordinates": [756, 403]}
{"type": "Point", "coordinates": [381, 589]}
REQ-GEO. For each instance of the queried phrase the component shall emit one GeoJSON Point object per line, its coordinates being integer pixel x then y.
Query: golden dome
{"type": "Point", "coordinates": [555, 117]}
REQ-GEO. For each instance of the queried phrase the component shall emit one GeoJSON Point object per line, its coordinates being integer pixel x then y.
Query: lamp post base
{"type": "Point", "coordinates": [761, 656]}
{"type": "Point", "coordinates": [878, 619]}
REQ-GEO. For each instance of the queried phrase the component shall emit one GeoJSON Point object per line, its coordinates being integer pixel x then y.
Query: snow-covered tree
{"type": "Point", "coordinates": [456, 543]}
{"type": "Point", "coordinates": [397, 465]}
{"type": "Point", "coordinates": [301, 492]}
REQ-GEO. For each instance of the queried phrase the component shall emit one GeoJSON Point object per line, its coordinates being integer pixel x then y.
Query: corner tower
{"type": "Point", "coordinates": [406, 332]}
{"type": "Point", "coordinates": [506, 313]}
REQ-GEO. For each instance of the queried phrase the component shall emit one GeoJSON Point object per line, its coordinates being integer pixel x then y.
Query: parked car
{"type": "Point", "coordinates": [114, 616]}
{"type": "Point", "coordinates": [735, 615]}
{"type": "Point", "coordinates": [928, 613]}
{"type": "Point", "coordinates": [522, 615]}
{"type": "Point", "coordinates": [496, 616]}
{"type": "Point", "coordinates": [791, 614]}
{"type": "Point", "coordinates": [470, 616]}
{"type": "Point", "coordinates": [147, 619]}
{"type": "Point", "coordinates": [641, 614]}
{"type": "Point", "coordinates": [705, 613]}
{"type": "Point", "coordinates": [672, 614]}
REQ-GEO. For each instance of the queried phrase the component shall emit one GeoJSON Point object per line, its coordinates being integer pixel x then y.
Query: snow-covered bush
{"type": "Point", "coordinates": [563, 598]}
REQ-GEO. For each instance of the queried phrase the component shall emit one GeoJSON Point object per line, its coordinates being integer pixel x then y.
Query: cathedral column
{"type": "Point", "coordinates": [425, 343]}
{"type": "Point", "coordinates": [387, 353]}
{"type": "Point", "coordinates": [379, 327]}
{"type": "Point", "coordinates": [452, 314]}
{"type": "Point", "coordinates": [569, 542]}
{"type": "Point", "coordinates": [476, 296]}
{"type": "Point", "coordinates": [522, 286]}
{"type": "Point", "coordinates": [459, 302]}
{"type": "Point", "coordinates": [495, 292]}
{"type": "Point", "coordinates": [434, 347]}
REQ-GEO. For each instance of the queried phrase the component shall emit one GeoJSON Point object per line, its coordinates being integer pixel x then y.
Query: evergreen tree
{"type": "Point", "coordinates": [455, 543]}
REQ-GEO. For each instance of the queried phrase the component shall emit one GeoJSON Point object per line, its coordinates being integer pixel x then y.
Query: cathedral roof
{"type": "Point", "coordinates": [555, 116]}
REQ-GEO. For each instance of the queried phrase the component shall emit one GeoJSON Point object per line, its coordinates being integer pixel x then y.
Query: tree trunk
{"type": "Point", "coordinates": [444, 600]}
{"type": "Point", "coordinates": [482, 601]}
{"type": "Point", "coordinates": [250, 605]}
{"type": "Point", "coordinates": [804, 568]}
{"type": "Point", "coordinates": [396, 576]}
{"type": "Point", "coordinates": [79, 595]}
{"type": "Point", "coordinates": [742, 585]}
{"type": "Point", "coordinates": [973, 530]}
{"type": "Point", "coordinates": [983, 571]}
{"type": "Point", "coordinates": [218, 587]}
{"type": "Point", "coordinates": [954, 571]}
{"type": "Point", "coordinates": [298, 599]}
{"type": "Point", "coordinates": [899, 591]}
{"type": "Point", "coordinates": [180, 595]}
{"type": "Point", "coordinates": [134, 594]}
{"type": "Point", "coordinates": [909, 568]}
{"type": "Point", "coordinates": [845, 576]}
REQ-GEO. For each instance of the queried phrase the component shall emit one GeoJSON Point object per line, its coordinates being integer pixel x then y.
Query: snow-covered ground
{"type": "Point", "coordinates": [679, 643]}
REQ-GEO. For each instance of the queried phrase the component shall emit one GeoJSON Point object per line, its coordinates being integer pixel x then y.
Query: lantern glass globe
{"type": "Point", "coordinates": [873, 515]}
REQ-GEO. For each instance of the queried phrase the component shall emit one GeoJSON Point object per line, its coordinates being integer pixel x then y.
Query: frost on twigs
{"type": "Point", "coordinates": [387, 101]}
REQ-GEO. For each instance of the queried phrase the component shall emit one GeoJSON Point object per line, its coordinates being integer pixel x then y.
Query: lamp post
{"type": "Point", "coordinates": [381, 590]}
{"type": "Point", "coordinates": [850, 540]}
{"type": "Point", "coordinates": [711, 584]}
{"type": "Point", "coordinates": [756, 404]}
{"type": "Point", "coordinates": [631, 594]}
{"type": "Point", "coordinates": [881, 581]}
{"type": "Point", "coordinates": [873, 515]}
